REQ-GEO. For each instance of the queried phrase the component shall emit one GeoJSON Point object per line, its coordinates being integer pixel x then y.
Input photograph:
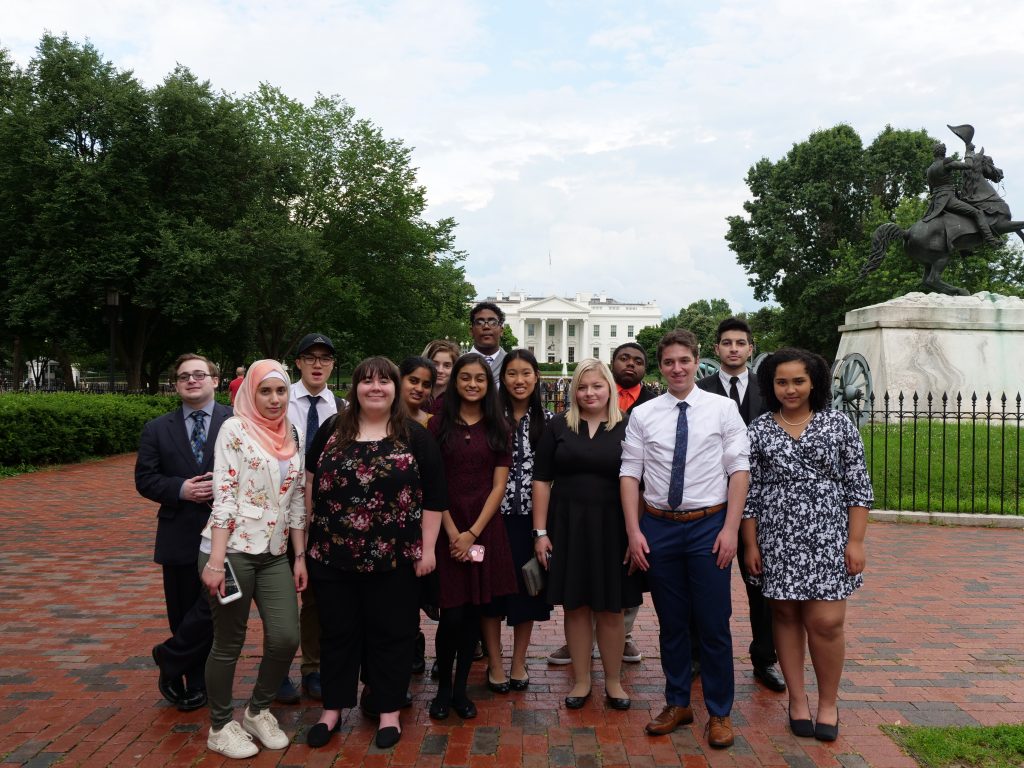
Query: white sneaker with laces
{"type": "Point", "coordinates": [265, 728]}
{"type": "Point", "coordinates": [231, 741]}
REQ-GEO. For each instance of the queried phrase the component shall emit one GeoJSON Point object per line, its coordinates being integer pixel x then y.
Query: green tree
{"type": "Point", "coordinates": [508, 339]}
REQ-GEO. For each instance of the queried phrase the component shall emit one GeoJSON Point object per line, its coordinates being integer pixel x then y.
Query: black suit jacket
{"type": "Point", "coordinates": [751, 407]}
{"type": "Point", "coordinates": [164, 462]}
{"type": "Point", "coordinates": [646, 393]}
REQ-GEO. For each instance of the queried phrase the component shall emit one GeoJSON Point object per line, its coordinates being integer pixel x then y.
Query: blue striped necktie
{"type": "Point", "coordinates": [675, 486]}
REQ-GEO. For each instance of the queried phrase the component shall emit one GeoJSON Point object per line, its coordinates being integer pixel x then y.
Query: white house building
{"type": "Point", "coordinates": [564, 330]}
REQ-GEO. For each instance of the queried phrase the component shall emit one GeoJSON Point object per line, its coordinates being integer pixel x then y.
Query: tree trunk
{"type": "Point", "coordinates": [17, 365]}
{"type": "Point", "coordinates": [66, 371]}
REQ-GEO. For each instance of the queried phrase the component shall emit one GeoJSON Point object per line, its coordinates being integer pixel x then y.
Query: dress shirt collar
{"type": "Point", "coordinates": [742, 377]}
{"type": "Point", "coordinates": [188, 410]}
{"type": "Point", "coordinates": [630, 395]}
{"type": "Point", "coordinates": [299, 390]}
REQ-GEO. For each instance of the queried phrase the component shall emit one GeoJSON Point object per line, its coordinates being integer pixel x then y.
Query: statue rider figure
{"type": "Point", "coordinates": [943, 192]}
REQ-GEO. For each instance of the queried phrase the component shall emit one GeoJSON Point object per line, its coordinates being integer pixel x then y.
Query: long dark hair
{"type": "Point", "coordinates": [496, 427]}
{"type": "Point", "coordinates": [347, 425]}
{"type": "Point", "coordinates": [535, 405]}
{"type": "Point", "coordinates": [817, 371]}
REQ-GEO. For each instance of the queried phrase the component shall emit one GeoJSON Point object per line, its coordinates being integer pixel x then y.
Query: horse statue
{"type": "Point", "coordinates": [936, 238]}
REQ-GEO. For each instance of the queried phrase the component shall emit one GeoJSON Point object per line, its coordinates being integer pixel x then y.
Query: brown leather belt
{"type": "Point", "coordinates": [684, 517]}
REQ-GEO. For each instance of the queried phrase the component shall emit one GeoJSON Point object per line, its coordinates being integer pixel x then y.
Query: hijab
{"type": "Point", "coordinates": [273, 435]}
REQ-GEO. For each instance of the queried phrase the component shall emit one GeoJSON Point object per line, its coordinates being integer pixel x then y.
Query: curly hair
{"type": "Point", "coordinates": [817, 370]}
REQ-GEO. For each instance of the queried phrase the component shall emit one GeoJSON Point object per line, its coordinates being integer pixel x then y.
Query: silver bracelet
{"type": "Point", "coordinates": [215, 570]}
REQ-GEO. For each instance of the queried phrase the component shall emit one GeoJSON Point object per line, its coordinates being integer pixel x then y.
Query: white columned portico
{"type": "Point", "coordinates": [542, 357]}
{"type": "Point", "coordinates": [565, 346]}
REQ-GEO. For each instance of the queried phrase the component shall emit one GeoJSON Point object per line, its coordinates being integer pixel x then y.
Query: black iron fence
{"type": "Point", "coordinates": [943, 453]}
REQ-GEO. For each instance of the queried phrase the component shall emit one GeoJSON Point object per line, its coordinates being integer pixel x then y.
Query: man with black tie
{"type": "Point", "coordinates": [173, 468]}
{"type": "Point", "coordinates": [310, 404]}
{"type": "Point", "coordinates": [734, 345]}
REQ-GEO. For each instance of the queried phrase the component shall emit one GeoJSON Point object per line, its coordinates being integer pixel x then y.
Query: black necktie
{"type": "Point", "coordinates": [675, 485]}
{"type": "Point", "coordinates": [312, 419]}
{"type": "Point", "coordinates": [734, 391]}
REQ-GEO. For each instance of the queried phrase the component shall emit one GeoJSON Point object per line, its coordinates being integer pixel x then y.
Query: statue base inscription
{"type": "Point", "coordinates": [932, 343]}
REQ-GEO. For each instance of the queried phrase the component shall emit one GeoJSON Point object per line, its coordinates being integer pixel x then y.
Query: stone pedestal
{"type": "Point", "coordinates": [928, 342]}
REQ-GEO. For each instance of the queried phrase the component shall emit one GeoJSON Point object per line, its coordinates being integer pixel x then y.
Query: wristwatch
{"type": "Point", "coordinates": [538, 532]}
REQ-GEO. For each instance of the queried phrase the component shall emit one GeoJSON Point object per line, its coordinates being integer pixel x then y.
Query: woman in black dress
{"type": "Point", "coordinates": [580, 531]}
{"type": "Point", "coordinates": [804, 526]}
{"type": "Point", "coordinates": [473, 438]}
{"type": "Point", "coordinates": [376, 490]}
{"type": "Point", "coordinates": [523, 408]}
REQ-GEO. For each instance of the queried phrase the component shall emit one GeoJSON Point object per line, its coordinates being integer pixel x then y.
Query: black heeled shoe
{"type": "Point", "coordinates": [503, 687]}
{"type": "Point", "coordinates": [576, 702]}
{"type": "Point", "coordinates": [320, 734]}
{"type": "Point", "coordinates": [804, 728]}
{"type": "Point", "coordinates": [616, 703]}
{"type": "Point", "coordinates": [464, 708]}
{"type": "Point", "coordinates": [519, 685]}
{"type": "Point", "coordinates": [826, 732]}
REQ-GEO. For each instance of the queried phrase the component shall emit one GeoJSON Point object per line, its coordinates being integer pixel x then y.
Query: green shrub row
{"type": "Point", "coordinates": [64, 427]}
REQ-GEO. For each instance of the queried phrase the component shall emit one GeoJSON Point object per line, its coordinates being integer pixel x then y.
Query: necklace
{"type": "Point", "coordinates": [795, 423]}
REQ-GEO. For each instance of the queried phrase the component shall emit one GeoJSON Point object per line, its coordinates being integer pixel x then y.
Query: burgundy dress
{"type": "Point", "coordinates": [469, 469]}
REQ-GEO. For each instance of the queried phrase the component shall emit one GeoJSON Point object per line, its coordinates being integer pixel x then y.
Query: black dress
{"type": "Point", "coordinates": [585, 522]}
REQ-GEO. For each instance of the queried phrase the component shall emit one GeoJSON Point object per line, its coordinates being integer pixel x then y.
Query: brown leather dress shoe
{"type": "Point", "coordinates": [720, 732]}
{"type": "Point", "coordinates": [671, 717]}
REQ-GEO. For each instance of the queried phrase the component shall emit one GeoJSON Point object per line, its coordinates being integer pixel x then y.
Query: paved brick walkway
{"type": "Point", "coordinates": [935, 637]}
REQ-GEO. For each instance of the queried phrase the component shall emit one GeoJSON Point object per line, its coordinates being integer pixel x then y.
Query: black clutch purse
{"type": "Point", "coordinates": [533, 577]}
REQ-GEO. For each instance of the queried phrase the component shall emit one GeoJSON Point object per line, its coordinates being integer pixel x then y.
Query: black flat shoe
{"type": "Point", "coordinates": [576, 702]}
{"type": "Point", "coordinates": [519, 685]}
{"type": "Point", "coordinates": [320, 734]}
{"type": "Point", "coordinates": [802, 728]}
{"type": "Point", "coordinates": [503, 687]}
{"type": "Point", "coordinates": [615, 703]}
{"type": "Point", "coordinates": [465, 709]}
{"type": "Point", "coordinates": [438, 709]}
{"type": "Point", "coordinates": [826, 732]}
{"type": "Point", "coordinates": [387, 737]}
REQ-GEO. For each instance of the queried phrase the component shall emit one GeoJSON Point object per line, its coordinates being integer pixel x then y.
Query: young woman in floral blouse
{"type": "Point", "coordinates": [377, 491]}
{"type": "Point", "coordinates": [521, 402]}
{"type": "Point", "coordinates": [258, 484]}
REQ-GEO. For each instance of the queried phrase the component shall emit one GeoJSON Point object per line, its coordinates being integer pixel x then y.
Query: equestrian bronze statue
{"type": "Point", "coordinates": [954, 223]}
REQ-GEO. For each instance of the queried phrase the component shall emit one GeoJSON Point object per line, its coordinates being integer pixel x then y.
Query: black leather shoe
{"type": "Point", "coordinates": [576, 702]}
{"type": "Point", "coordinates": [826, 732]}
{"type": "Point", "coordinates": [419, 663]}
{"type": "Point", "coordinates": [287, 693]}
{"type": "Point", "coordinates": [438, 708]}
{"type": "Point", "coordinates": [433, 670]}
{"type": "Point", "coordinates": [519, 685]}
{"type": "Point", "coordinates": [193, 698]}
{"type": "Point", "coordinates": [320, 734]}
{"type": "Point", "coordinates": [503, 687]}
{"type": "Point", "coordinates": [770, 677]}
{"type": "Point", "coordinates": [387, 737]}
{"type": "Point", "coordinates": [311, 685]}
{"type": "Point", "coordinates": [615, 703]}
{"type": "Point", "coordinates": [170, 687]}
{"type": "Point", "coordinates": [465, 709]}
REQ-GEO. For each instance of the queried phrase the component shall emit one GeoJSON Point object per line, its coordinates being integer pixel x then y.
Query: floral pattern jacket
{"type": "Point", "coordinates": [251, 499]}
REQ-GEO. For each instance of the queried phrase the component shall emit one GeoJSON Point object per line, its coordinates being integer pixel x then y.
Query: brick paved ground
{"type": "Point", "coordinates": [935, 637]}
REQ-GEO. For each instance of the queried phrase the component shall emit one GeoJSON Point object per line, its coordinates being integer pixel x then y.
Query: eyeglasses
{"type": "Point", "coordinates": [313, 359]}
{"type": "Point", "coordinates": [197, 375]}
{"type": "Point", "coordinates": [487, 322]}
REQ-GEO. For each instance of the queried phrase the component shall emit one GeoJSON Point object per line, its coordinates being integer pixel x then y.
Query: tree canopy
{"type": "Point", "coordinates": [807, 228]}
{"type": "Point", "coordinates": [230, 226]}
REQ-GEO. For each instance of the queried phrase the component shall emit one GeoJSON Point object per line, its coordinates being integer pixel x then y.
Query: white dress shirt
{"type": "Point", "coordinates": [298, 407]}
{"type": "Point", "coordinates": [495, 362]}
{"type": "Point", "coordinates": [741, 384]}
{"type": "Point", "coordinates": [716, 447]}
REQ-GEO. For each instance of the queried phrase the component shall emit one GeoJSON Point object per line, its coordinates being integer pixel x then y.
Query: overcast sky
{"type": "Point", "coordinates": [614, 136]}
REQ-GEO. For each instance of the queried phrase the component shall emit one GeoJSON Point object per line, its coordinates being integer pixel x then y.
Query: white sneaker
{"type": "Point", "coordinates": [231, 741]}
{"type": "Point", "coordinates": [265, 728]}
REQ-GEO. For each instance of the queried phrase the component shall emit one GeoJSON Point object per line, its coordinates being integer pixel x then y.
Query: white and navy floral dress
{"type": "Point", "coordinates": [800, 493]}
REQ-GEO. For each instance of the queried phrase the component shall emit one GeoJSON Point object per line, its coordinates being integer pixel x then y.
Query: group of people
{"type": "Point", "coordinates": [441, 478]}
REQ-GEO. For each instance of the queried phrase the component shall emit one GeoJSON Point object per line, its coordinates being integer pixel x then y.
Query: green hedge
{"type": "Point", "coordinates": [64, 427]}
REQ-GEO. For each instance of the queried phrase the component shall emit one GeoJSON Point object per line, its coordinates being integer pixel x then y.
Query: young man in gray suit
{"type": "Point", "coordinates": [174, 468]}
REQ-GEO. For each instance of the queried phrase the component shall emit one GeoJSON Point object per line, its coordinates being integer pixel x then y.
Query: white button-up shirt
{"type": "Point", "coordinates": [741, 383]}
{"type": "Point", "coordinates": [298, 407]}
{"type": "Point", "coordinates": [716, 447]}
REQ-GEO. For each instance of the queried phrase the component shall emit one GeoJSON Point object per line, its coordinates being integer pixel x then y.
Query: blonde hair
{"type": "Point", "coordinates": [572, 416]}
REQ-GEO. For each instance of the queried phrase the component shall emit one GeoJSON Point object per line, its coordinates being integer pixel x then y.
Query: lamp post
{"type": "Point", "coordinates": [112, 302]}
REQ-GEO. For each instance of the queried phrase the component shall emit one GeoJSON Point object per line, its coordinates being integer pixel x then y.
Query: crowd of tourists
{"type": "Point", "coordinates": [443, 487]}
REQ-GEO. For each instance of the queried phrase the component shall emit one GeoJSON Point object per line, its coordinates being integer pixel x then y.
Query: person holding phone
{"type": "Point", "coordinates": [258, 504]}
{"type": "Point", "coordinates": [474, 562]}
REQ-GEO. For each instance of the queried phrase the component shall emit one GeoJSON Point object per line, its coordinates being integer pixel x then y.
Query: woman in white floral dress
{"type": "Point", "coordinates": [258, 504]}
{"type": "Point", "coordinates": [804, 526]}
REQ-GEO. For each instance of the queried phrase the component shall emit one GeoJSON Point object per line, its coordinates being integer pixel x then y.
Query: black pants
{"type": "Point", "coordinates": [457, 634]}
{"type": "Point", "coordinates": [188, 615]}
{"type": "Point", "coordinates": [366, 620]}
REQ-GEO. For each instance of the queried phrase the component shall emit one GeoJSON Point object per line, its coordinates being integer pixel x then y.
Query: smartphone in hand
{"type": "Point", "coordinates": [476, 553]}
{"type": "Point", "coordinates": [231, 589]}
